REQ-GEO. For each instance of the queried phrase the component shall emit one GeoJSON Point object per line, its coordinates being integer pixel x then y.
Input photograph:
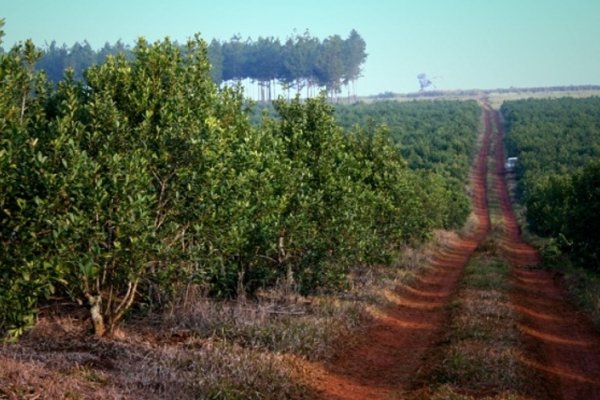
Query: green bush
{"type": "Point", "coordinates": [557, 142]}
{"type": "Point", "coordinates": [145, 177]}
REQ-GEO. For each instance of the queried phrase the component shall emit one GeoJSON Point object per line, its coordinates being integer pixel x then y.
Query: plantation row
{"type": "Point", "coordinates": [144, 178]}
{"type": "Point", "coordinates": [558, 146]}
{"type": "Point", "coordinates": [433, 135]}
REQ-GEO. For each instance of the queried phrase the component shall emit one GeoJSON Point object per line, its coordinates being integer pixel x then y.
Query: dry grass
{"type": "Point", "coordinates": [71, 366]}
{"type": "Point", "coordinates": [201, 348]}
{"type": "Point", "coordinates": [283, 322]}
{"type": "Point", "coordinates": [301, 326]}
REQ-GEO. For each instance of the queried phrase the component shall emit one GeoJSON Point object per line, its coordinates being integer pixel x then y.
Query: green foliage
{"type": "Point", "coordinates": [558, 145]}
{"type": "Point", "coordinates": [584, 227]}
{"type": "Point", "coordinates": [437, 138]}
{"type": "Point", "coordinates": [432, 135]}
{"type": "Point", "coordinates": [548, 204]}
{"type": "Point", "coordinates": [145, 177]}
{"type": "Point", "coordinates": [23, 229]}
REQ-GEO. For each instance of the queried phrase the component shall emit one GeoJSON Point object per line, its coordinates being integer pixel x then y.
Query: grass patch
{"type": "Point", "coordinates": [480, 351]}
{"type": "Point", "coordinates": [299, 326]}
{"type": "Point", "coordinates": [134, 368]}
{"type": "Point", "coordinates": [280, 321]}
{"type": "Point", "coordinates": [223, 372]}
{"type": "Point", "coordinates": [487, 274]}
{"type": "Point", "coordinates": [474, 365]}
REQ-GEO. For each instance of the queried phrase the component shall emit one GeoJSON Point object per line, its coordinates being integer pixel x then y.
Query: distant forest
{"type": "Point", "coordinates": [301, 62]}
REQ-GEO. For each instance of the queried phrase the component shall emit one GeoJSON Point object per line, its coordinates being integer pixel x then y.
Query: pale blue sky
{"type": "Point", "coordinates": [462, 44]}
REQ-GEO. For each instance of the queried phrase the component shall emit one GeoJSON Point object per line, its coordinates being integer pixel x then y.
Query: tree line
{"type": "Point", "coordinates": [301, 62]}
{"type": "Point", "coordinates": [558, 147]}
{"type": "Point", "coordinates": [123, 188]}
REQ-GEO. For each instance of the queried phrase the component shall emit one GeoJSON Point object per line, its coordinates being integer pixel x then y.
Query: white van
{"type": "Point", "coordinates": [510, 164]}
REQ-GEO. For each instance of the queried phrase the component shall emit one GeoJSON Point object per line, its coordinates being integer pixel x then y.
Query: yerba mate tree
{"type": "Point", "coordinates": [122, 189]}
{"type": "Point", "coordinates": [24, 229]}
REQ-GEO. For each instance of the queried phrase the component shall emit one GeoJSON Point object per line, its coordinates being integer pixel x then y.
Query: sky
{"type": "Point", "coordinates": [459, 44]}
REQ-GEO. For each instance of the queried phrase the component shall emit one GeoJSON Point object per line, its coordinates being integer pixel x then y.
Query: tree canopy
{"type": "Point", "coordinates": [145, 177]}
{"type": "Point", "coordinates": [303, 61]}
{"type": "Point", "coordinates": [558, 147]}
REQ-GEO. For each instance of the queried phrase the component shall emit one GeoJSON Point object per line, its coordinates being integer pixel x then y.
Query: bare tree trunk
{"type": "Point", "coordinates": [116, 316]}
{"type": "Point", "coordinates": [269, 83]}
{"type": "Point", "coordinates": [241, 290]}
{"type": "Point", "coordinates": [95, 303]}
{"type": "Point", "coordinates": [23, 106]}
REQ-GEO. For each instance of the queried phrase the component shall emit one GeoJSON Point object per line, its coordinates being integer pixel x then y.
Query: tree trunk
{"type": "Point", "coordinates": [290, 282]}
{"type": "Point", "coordinates": [115, 316]}
{"type": "Point", "coordinates": [241, 290]}
{"type": "Point", "coordinates": [95, 303]}
{"type": "Point", "coordinates": [269, 90]}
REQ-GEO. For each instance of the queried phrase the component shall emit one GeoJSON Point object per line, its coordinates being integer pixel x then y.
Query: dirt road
{"type": "Point", "coordinates": [561, 343]}
{"type": "Point", "coordinates": [382, 362]}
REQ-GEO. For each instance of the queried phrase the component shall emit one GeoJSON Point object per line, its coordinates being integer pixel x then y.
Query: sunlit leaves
{"type": "Point", "coordinates": [145, 177]}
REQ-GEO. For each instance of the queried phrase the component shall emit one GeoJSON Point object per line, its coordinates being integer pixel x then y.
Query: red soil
{"type": "Point", "coordinates": [384, 359]}
{"type": "Point", "coordinates": [514, 248]}
{"type": "Point", "coordinates": [561, 343]}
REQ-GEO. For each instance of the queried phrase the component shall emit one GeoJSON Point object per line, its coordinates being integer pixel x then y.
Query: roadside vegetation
{"type": "Point", "coordinates": [557, 186]}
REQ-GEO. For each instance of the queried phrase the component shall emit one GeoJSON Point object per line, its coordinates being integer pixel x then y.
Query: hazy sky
{"type": "Point", "coordinates": [461, 44]}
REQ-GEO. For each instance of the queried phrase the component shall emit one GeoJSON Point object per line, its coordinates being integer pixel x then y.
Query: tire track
{"type": "Point", "coordinates": [385, 358]}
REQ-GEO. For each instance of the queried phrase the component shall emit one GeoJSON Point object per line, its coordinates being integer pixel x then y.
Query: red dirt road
{"type": "Point", "coordinates": [561, 343]}
{"type": "Point", "coordinates": [514, 248]}
{"type": "Point", "coordinates": [384, 359]}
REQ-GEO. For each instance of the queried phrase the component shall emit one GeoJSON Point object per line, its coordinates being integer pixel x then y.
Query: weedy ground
{"type": "Point", "coordinates": [201, 348]}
